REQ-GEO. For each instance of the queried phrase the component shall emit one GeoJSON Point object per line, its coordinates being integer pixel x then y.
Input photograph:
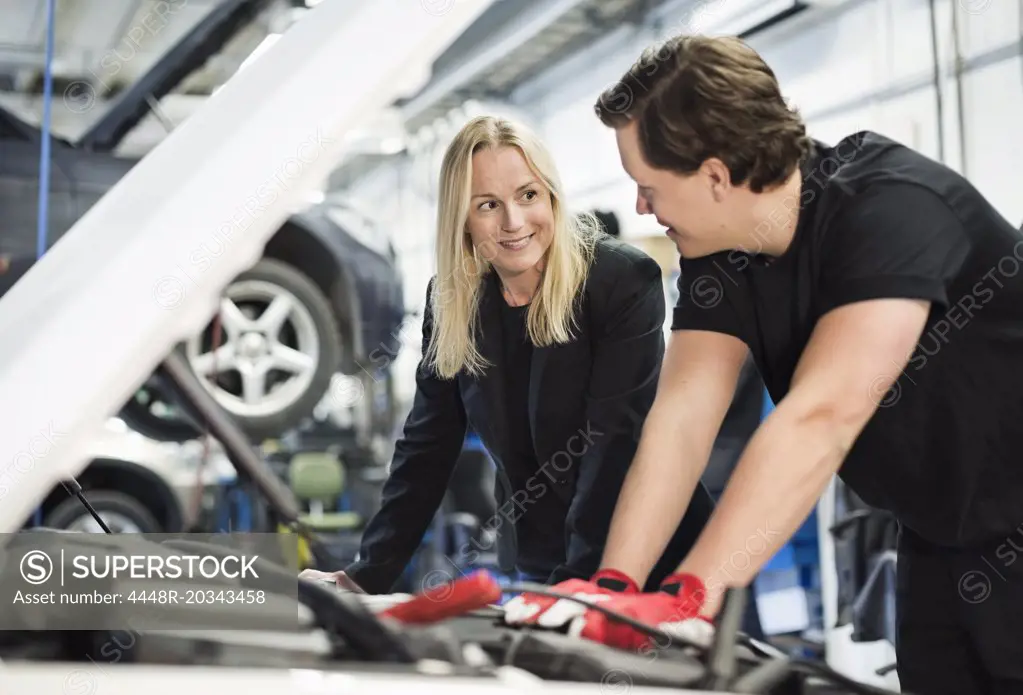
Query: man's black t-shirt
{"type": "Point", "coordinates": [877, 220]}
{"type": "Point", "coordinates": [540, 523]}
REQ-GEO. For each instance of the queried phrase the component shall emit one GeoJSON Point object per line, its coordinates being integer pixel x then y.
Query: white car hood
{"type": "Point", "coordinates": [93, 318]}
{"type": "Point", "coordinates": [124, 679]}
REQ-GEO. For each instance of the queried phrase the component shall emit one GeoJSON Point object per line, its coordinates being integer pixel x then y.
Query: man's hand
{"type": "Point", "coordinates": [696, 387]}
{"type": "Point", "coordinates": [674, 610]}
{"type": "Point", "coordinates": [548, 612]}
{"type": "Point", "coordinates": [341, 580]}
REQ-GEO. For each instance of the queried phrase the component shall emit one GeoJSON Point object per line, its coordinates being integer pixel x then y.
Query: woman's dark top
{"type": "Point", "coordinates": [539, 521]}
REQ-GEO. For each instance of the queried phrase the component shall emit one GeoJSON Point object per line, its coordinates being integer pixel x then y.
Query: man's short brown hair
{"type": "Point", "coordinates": [696, 97]}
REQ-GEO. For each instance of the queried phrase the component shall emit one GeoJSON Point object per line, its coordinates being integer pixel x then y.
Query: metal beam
{"type": "Point", "coordinates": [516, 35]}
{"type": "Point", "coordinates": [184, 58]}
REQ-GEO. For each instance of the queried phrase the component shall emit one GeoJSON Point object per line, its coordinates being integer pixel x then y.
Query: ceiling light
{"type": "Point", "coordinates": [391, 145]}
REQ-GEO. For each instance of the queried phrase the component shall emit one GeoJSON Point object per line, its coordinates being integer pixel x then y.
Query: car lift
{"type": "Point", "coordinates": [93, 318]}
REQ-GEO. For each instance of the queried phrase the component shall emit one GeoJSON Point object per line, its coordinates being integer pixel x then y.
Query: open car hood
{"type": "Point", "coordinates": [53, 677]}
{"type": "Point", "coordinates": [93, 318]}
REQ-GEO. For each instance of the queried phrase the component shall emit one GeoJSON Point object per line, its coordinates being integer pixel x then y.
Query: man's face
{"type": "Point", "coordinates": [690, 207]}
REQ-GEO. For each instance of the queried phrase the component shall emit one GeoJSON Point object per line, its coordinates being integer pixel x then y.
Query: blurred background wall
{"type": "Point", "coordinates": [944, 77]}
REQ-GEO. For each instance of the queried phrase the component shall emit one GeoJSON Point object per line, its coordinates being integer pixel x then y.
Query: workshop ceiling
{"type": "Point", "coordinates": [109, 43]}
{"type": "Point", "coordinates": [513, 41]}
{"type": "Point", "coordinates": [508, 44]}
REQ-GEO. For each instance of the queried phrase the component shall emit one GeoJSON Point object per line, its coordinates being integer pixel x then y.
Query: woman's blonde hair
{"type": "Point", "coordinates": [462, 268]}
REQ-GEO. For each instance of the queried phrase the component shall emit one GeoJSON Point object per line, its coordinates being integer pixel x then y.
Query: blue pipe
{"type": "Point", "coordinates": [44, 154]}
{"type": "Point", "coordinates": [768, 405]}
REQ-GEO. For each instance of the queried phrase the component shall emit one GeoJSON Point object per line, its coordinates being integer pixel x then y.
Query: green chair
{"type": "Point", "coordinates": [318, 479]}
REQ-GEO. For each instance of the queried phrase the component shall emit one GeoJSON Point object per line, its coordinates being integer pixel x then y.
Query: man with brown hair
{"type": "Point", "coordinates": [880, 296]}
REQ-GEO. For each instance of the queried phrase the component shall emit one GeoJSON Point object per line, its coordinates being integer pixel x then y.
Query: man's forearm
{"type": "Point", "coordinates": [655, 495]}
{"type": "Point", "coordinates": [777, 482]}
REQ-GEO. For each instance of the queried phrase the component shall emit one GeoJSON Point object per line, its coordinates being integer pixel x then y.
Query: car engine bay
{"type": "Point", "coordinates": [309, 624]}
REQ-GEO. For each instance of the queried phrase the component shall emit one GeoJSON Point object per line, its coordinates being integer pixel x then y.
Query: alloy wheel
{"type": "Point", "coordinates": [268, 352]}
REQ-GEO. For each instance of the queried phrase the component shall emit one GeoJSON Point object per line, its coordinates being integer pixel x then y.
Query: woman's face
{"type": "Point", "coordinates": [511, 219]}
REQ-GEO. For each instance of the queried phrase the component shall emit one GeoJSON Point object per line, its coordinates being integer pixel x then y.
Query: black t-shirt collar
{"type": "Point", "coordinates": [809, 194]}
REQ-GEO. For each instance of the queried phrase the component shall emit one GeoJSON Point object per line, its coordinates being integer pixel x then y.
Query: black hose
{"type": "Point", "coordinates": [767, 676]}
{"type": "Point", "coordinates": [721, 658]}
{"type": "Point", "coordinates": [336, 613]}
{"type": "Point", "coordinates": [74, 489]}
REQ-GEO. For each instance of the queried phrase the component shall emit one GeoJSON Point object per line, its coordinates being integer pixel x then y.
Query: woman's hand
{"type": "Point", "coordinates": [341, 580]}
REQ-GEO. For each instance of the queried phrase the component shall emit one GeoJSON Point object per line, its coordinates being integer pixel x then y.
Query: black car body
{"type": "Point", "coordinates": [362, 284]}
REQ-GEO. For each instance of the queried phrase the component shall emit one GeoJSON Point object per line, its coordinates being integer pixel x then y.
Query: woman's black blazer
{"type": "Point", "coordinates": [587, 403]}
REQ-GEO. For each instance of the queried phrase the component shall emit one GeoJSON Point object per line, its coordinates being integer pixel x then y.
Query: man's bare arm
{"type": "Point", "coordinates": [855, 354]}
{"type": "Point", "coordinates": [695, 389]}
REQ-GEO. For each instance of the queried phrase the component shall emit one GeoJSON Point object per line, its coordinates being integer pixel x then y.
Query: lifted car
{"type": "Point", "coordinates": [326, 294]}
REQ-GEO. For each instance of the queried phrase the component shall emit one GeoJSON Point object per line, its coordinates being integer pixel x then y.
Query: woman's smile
{"type": "Point", "coordinates": [517, 244]}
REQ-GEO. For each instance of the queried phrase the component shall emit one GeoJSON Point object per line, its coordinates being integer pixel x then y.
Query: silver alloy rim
{"type": "Point", "coordinates": [272, 374]}
{"type": "Point", "coordinates": [118, 523]}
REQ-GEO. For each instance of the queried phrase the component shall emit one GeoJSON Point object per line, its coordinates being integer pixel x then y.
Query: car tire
{"type": "Point", "coordinates": [310, 330]}
{"type": "Point", "coordinates": [115, 508]}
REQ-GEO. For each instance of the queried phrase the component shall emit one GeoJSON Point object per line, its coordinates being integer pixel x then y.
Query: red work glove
{"type": "Point", "coordinates": [674, 610]}
{"type": "Point", "coordinates": [548, 612]}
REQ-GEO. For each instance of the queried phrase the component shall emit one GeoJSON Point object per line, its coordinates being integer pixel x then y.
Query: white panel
{"type": "Point", "coordinates": [832, 63]}
{"type": "Point", "coordinates": [132, 49]}
{"type": "Point", "coordinates": [834, 128]}
{"type": "Point", "coordinates": [912, 120]}
{"type": "Point", "coordinates": [735, 17]}
{"type": "Point", "coordinates": [994, 127]}
{"type": "Point", "coordinates": [988, 23]}
{"type": "Point", "coordinates": [909, 47]}
{"type": "Point", "coordinates": [584, 148]}
{"type": "Point", "coordinates": [88, 24]}
{"type": "Point", "coordinates": [20, 17]}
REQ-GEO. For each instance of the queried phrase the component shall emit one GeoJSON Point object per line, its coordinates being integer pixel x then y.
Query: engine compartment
{"type": "Point", "coordinates": [310, 625]}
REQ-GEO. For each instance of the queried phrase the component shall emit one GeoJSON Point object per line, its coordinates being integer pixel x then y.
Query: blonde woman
{"type": "Point", "coordinates": [545, 336]}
